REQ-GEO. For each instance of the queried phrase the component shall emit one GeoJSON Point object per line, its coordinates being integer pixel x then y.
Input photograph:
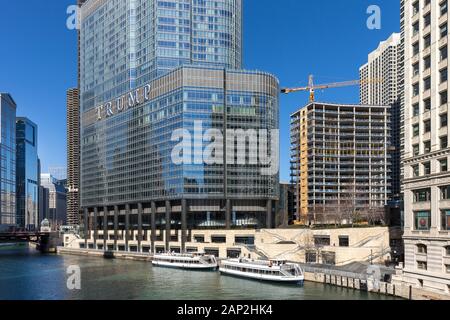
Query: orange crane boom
{"type": "Point", "coordinates": [312, 88]}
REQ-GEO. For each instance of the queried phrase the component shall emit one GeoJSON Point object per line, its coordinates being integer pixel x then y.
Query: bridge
{"type": "Point", "coordinates": [46, 242]}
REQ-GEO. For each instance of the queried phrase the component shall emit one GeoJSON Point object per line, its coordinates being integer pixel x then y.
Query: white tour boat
{"type": "Point", "coordinates": [192, 261]}
{"type": "Point", "coordinates": [272, 270]}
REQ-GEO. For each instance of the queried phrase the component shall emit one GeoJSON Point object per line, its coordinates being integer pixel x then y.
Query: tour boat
{"type": "Point", "coordinates": [191, 261]}
{"type": "Point", "coordinates": [271, 270]}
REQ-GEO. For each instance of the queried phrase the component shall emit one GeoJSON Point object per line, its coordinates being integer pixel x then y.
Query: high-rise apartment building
{"type": "Point", "coordinates": [150, 71]}
{"type": "Point", "coordinates": [27, 170]}
{"type": "Point", "coordinates": [8, 161]}
{"type": "Point", "coordinates": [73, 156]}
{"type": "Point", "coordinates": [339, 161]}
{"type": "Point", "coordinates": [426, 155]}
{"type": "Point", "coordinates": [380, 85]}
{"type": "Point", "coordinates": [73, 143]}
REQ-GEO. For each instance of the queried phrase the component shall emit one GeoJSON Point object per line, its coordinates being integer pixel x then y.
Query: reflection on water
{"type": "Point", "coordinates": [28, 275]}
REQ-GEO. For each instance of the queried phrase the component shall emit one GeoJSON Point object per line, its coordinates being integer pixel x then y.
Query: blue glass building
{"type": "Point", "coordinates": [27, 175]}
{"type": "Point", "coordinates": [152, 69]}
{"type": "Point", "coordinates": [8, 161]}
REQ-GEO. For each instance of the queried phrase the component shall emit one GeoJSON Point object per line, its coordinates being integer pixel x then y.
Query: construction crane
{"type": "Point", "coordinates": [312, 88]}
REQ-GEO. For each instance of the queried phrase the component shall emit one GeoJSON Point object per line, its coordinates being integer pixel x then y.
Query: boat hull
{"type": "Point", "coordinates": [253, 276]}
{"type": "Point", "coordinates": [185, 266]}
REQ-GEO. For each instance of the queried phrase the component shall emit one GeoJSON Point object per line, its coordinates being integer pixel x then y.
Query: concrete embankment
{"type": "Point", "coordinates": [102, 254]}
{"type": "Point", "coordinates": [361, 282]}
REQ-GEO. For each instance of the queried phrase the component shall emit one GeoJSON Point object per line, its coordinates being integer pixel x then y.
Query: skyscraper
{"type": "Point", "coordinates": [73, 156]}
{"type": "Point", "coordinates": [8, 161]}
{"type": "Point", "coordinates": [56, 203]}
{"type": "Point", "coordinates": [339, 161]}
{"type": "Point", "coordinates": [27, 180]}
{"type": "Point", "coordinates": [73, 144]}
{"type": "Point", "coordinates": [170, 67]}
{"type": "Point", "coordinates": [426, 156]}
{"type": "Point", "coordinates": [380, 86]}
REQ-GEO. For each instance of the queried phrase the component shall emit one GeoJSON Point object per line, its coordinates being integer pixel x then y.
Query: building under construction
{"type": "Point", "coordinates": [340, 162]}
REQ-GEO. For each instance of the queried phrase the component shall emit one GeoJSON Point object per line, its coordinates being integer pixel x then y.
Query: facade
{"type": "Point", "coordinates": [172, 89]}
{"type": "Point", "coordinates": [426, 156]}
{"type": "Point", "coordinates": [44, 207]}
{"type": "Point", "coordinates": [57, 200]}
{"type": "Point", "coordinates": [8, 161]}
{"type": "Point", "coordinates": [380, 85]}
{"type": "Point", "coordinates": [284, 207]}
{"type": "Point", "coordinates": [27, 170]}
{"type": "Point", "coordinates": [339, 161]}
{"type": "Point", "coordinates": [73, 156]}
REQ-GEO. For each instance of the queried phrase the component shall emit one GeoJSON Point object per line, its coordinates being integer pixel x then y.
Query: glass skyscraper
{"type": "Point", "coordinates": [8, 161]}
{"type": "Point", "coordinates": [27, 178]}
{"type": "Point", "coordinates": [150, 69]}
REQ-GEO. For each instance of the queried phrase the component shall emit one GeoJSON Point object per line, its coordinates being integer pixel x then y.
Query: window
{"type": "Point", "coordinates": [199, 239]}
{"type": "Point", "coordinates": [427, 126]}
{"type": "Point", "coordinates": [443, 165]}
{"type": "Point", "coordinates": [416, 171]}
{"type": "Point", "coordinates": [416, 48]}
{"type": "Point", "coordinates": [421, 265]}
{"type": "Point", "coordinates": [415, 89]}
{"type": "Point", "coordinates": [415, 7]}
{"type": "Point", "coordinates": [444, 142]}
{"type": "Point", "coordinates": [447, 251]}
{"type": "Point", "coordinates": [446, 222]}
{"type": "Point", "coordinates": [416, 28]}
{"type": "Point", "coordinates": [444, 120]}
{"type": "Point", "coordinates": [427, 62]}
{"type": "Point", "coordinates": [447, 268]}
{"type": "Point", "coordinates": [322, 240]}
{"type": "Point", "coordinates": [416, 130]}
{"type": "Point", "coordinates": [422, 249]}
{"type": "Point", "coordinates": [445, 192]}
{"type": "Point", "coordinates": [444, 7]}
{"type": "Point", "coordinates": [416, 110]}
{"type": "Point", "coordinates": [443, 30]}
{"type": "Point", "coordinates": [427, 104]}
{"type": "Point", "coordinates": [427, 168]}
{"type": "Point", "coordinates": [218, 239]}
{"type": "Point", "coordinates": [427, 147]}
{"type": "Point", "coordinates": [427, 41]}
{"type": "Point", "coordinates": [344, 241]}
{"type": "Point", "coordinates": [427, 83]}
{"type": "Point", "coordinates": [444, 98]}
{"type": "Point", "coordinates": [427, 20]}
{"type": "Point", "coordinates": [423, 195]}
{"type": "Point", "coordinates": [416, 150]}
{"type": "Point", "coordinates": [422, 220]}
{"type": "Point", "coordinates": [443, 74]}
{"type": "Point", "coordinates": [443, 53]}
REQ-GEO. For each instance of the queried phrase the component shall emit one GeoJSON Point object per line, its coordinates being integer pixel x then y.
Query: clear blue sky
{"type": "Point", "coordinates": [289, 38]}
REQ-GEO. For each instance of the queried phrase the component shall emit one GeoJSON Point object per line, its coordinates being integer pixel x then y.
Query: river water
{"type": "Point", "coordinates": [27, 275]}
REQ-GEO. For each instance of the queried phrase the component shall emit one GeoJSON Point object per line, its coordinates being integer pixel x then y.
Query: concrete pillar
{"type": "Point", "coordinates": [184, 211]}
{"type": "Point", "coordinates": [140, 213]}
{"type": "Point", "coordinates": [127, 226]}
{"type": "Point", "coordinates": [168, 222]}
{"type": "Point", "coordinates": [153, 227]}
{"type": "Point", "coordinates": [95, 227]}
{"type": "Point", "coordinates": [105, 228]}
{"type": "Point", "coordinates": [116, 226]}
{"type": "Point", "coordinates": [86, 226]}
{"type": "Point", "coordinates": [228, 215]}
{"type": "Point", "coordinates": [269, 214]}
